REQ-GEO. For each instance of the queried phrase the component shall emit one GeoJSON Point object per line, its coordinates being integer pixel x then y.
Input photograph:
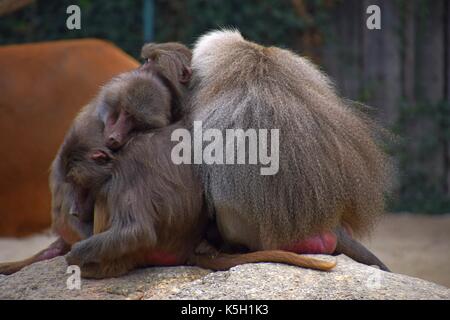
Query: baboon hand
{"type": "Point", "coordinates": [83, 253]}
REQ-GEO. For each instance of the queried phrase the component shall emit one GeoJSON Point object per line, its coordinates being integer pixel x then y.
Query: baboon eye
{"type": "Point", "coordinates": [112, 118]}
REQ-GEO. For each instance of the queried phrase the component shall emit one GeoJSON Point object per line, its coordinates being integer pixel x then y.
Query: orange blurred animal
{"type": "Point", "coordinates": [43, 86]}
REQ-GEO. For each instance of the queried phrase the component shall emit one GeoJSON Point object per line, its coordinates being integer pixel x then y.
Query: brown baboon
{"type": "Point", "coordinates": [71, 205]}
{"type": "Point", "coordinates": [150, 208]}
{"type": "Point", "coordinates": [333, 174]}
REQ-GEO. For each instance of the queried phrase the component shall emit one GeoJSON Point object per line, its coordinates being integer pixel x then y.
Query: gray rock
{"type": "Point", "coordinates": [349, 280]}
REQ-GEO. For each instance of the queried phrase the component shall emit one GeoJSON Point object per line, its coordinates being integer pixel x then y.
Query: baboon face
{"type": "Point", "coordinates": [148, 97]}
{"type": "Point", "coordinates": [86, 167]}
{"type": "Point", "coordinates": [89, 168]}
{"type": "Point", "coordinates": [136, 102]}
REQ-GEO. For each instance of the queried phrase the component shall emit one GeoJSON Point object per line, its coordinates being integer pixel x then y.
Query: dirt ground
{"type": "Point", "coordinates": [415, 245]}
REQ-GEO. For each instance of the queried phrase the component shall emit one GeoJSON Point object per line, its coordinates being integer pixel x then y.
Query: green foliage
{"type": "Point", "coordinates": [421, 155]}
{"type": "Point", "coordinates": [45, 20]}
{"type": "Point", "coordinates": [264, 21]}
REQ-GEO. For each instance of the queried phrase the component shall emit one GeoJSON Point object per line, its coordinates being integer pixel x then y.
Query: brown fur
{"type": "Point", "coordinates": [142, 219]}
{"type": "Point", "coordinates": [173, 60]}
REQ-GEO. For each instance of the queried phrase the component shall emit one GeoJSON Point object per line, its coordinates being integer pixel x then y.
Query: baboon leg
{"type": "Point", "coordinates": [57, 248]}
{"type": "Point", "coordinates": [112, 244]}
{"type": "Point", "coordinates": [355, 250]}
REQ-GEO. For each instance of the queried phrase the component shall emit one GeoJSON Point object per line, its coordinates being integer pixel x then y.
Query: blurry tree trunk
{"type": "Point", "coordinates": [310, 39]}
{"type": "Point", "coordinates": [366, 64]}
{"type": "Point", "coordinates": [382, 60]}
{"type": "Point", "coordinates": [447, 93]}
{"type": "Point", "coordinates": [431, 87]}
{"type": "Point", "coordinates": [407, 61]}
{"type": "Point", "coordinates": [430, 52]}
{"type": "Point", "coordinates": [8, 6]}
{"type": "Point", "coordinates": [409, 52]}
{"type": "Point", "coordinates": [341, 51]}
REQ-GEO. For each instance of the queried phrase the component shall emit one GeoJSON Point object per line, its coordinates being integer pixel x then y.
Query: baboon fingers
{"type": "Point", "coordinates": [84, 252]}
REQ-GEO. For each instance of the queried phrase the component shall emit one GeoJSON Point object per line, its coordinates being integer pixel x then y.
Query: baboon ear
{"type": "Point", "coordinates": [186, 75]}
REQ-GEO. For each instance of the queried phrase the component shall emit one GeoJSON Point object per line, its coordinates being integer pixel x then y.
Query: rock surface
{"type": "Point", "coordinates": [349, 280]}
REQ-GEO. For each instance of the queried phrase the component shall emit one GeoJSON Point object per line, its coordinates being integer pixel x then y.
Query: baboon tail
{"type": "Point", "coordinates": [226, 261]}
{"type": "Point", "coordinates": [355, 250]}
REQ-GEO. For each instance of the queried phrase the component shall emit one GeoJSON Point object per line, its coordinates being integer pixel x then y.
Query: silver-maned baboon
{"type": "Point", "coordinates": [333, 174]}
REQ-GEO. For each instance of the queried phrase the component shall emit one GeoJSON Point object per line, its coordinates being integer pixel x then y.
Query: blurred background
{"type": "Point", "coordinates": [401, 70]}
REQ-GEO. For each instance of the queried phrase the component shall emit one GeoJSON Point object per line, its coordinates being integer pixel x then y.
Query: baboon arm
{"type": "Point", "coordinates": [355, 250]}
{"type": "Point", "coordinates": [111, 244]}
{"type": "Point", "coordinates": [227, 261]}
{"type": "Point", "coordinates": [57, 248]}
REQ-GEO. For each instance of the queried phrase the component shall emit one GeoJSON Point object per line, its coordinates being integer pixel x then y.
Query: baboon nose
{"type": "Point", "coordinates": [113, 143]}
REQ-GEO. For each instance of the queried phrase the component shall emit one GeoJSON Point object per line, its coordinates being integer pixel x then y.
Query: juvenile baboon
{"type": "Point", "coordinates": [133, 102]}
{"type": "Point", "coordinates": [332, 172]}
{"type": "Point", "coordinates": [168, 66]}
{"type": "Point", "coordinates": [72, 209]}
{"type": "Point", "coordinates": [145, 99]}
{"type": "Point", "coordinates": [151, 209]}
